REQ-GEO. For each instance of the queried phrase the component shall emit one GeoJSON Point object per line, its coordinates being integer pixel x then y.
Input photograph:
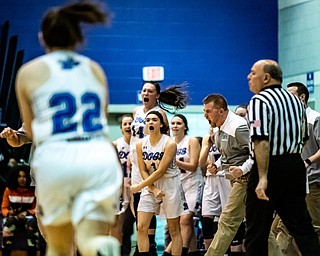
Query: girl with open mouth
{"type": "Point", "coordinates": [161, 186]}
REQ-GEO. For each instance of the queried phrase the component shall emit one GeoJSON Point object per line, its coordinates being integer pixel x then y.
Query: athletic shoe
{"type": "Point", "coordinates": [111, 247]}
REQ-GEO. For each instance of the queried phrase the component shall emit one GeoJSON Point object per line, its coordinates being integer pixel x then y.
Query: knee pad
{"type": "Point", "coordinates": [153, 223]}
{"type": "Point", "coordinates": [238, 238]}
{"type": "Point", "coordinates": [209, 227]}
{"type": "Point", "coordinates": [136, 199]}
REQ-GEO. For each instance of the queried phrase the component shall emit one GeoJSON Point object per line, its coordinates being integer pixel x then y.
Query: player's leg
{"type": "Point", "coordinates": [93, 239]}
{"type": "Point", "coordinates": [144, 219]}
{"type": "Point", "coordinates": [59, 240]}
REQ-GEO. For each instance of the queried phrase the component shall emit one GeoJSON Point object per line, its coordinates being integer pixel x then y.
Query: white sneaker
{"type": "Point", "coordinates": [111, 247]}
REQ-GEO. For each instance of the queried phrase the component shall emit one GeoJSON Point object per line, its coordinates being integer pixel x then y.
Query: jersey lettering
{"type": "Point", "coordinates": [152, 156]}
{"type": "Point", "coordinates": [123, 154]}
{"type": "Point", "coordinates": [213, 148]}
{"type": "Point", "coordinates": [140, 120]}
{"type": "Point", "coordinates": [181, 151]}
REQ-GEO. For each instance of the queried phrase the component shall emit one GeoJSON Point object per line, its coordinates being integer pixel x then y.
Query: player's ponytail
{"type": "Point", "coordinates": [61, 25]}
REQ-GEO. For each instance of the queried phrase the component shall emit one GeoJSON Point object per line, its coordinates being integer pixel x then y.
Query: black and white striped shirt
{"type": "Point", "coordinates": [278, 116]}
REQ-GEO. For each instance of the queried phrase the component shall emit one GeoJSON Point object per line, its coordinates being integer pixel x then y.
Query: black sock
{"type": "Point", "coordinates": [152, 239]}
{"type": "Point", "coordinates": [166, 253]}
{"type": "Point", "coordinates": [194, 253]}
{"type": "Point", "coordinates": [185, 251]}
{"type": "Point", "coordinates": [236, 253]}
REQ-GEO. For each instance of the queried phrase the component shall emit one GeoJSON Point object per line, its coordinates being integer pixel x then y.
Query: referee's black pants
{"type": "Point", "coordinates": [286, 191]}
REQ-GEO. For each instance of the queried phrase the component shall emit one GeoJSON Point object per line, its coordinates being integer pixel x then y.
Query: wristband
{"type": "Point", "coordinates": [308, 161]}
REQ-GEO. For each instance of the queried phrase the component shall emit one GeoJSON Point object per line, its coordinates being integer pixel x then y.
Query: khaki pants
{"type": "Point", "coordinates": [285, 240]}
{"type": "Point", "coordinates": [313, 205]}
{"type": "Point", "coordinates": [230, 219]}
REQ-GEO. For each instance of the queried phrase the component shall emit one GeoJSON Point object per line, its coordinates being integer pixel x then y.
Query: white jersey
{"type": "Point", "coordinates": [71, 104]}
{"type": "Point", "coordinates": [138, 132]}
{"type": "Point", "coordinates": [138, 125]}
{"type": "Point", "coordinates": [214, 156]}
{"type": "Point", "coordinates": [152, 156]}
{"type": "Point", "coordinates": [76, 167]}
{"type": "Point", "coordinates": [173, 204]}
{"type": "Point", "coordinates": [183, 154]}
{"type": "Point", "coordinates": [123, 152]}
{"type": "Point", "coordinates": [123, 149]}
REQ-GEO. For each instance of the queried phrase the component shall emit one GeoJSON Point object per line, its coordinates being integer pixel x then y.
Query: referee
{"type": "Point", "coordinates": [278, 130]}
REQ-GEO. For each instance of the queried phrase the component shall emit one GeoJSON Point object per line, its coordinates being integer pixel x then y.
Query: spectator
{"type": "Point", "coordinates": [18, 208]}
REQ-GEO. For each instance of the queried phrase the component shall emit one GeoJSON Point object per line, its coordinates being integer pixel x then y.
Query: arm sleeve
{"type": "Point", "coordinates": [259, 119]}
{"type": "Point", "coordinates": [242, 135]}
{"type": "Point", "coordinates": [246, 167]}
{"type": "Point", "coordinates": [5, 206]}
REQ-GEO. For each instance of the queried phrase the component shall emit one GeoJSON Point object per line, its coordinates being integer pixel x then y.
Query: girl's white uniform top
{"type": "Point", "coordinates": [123, 152]}
{"type": "Point", "coordinates": [217, 187]}
{"type": "Point", "coordinates": [71, 103]}
{"type": "Point", "coordinates": [183, 154]}
{"type": "Point", "coordinates": [152, 156]}
{"type": "Point", "coordinates": [173, 203]}
{"type": "Point", "coordinates": [192, 182]}
{"type": "Point", "coordinates": [214, 157]}
{"type": "Point", "coordinates": [138, 132]}
{"type": "Point", "coordinates": [75, 165]}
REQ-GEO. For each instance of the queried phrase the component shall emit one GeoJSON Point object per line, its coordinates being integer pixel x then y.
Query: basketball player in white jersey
{"type": "Point", "coordinates": [123, 147]}
{"type": "Point", "coordinates": [161, 185]}
{"type": "Point", "coordinates": [188, 150]}
{"type": "Point", "coordinates": [62, 98]}
{"type": "Point", "coordinates": [153, 99]}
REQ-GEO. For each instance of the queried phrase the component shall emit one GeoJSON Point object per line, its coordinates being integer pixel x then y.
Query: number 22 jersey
{"type": "Point", "coordinates": [70, 104]}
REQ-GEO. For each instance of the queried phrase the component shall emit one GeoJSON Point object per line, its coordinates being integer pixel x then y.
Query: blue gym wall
{"type": "Point", "coordinates": [211, 44]}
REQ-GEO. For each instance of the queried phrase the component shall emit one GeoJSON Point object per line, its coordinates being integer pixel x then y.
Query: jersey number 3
{"type": "Point", "coordinates": [62, 119]}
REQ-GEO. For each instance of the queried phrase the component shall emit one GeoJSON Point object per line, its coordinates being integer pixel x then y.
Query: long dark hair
{"type": "Point", "coordinates": [12, 182]}
{"type": "Point", "coordinates": [174, 95]}
{"type": "Point", "coordinates": [61, 25]}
